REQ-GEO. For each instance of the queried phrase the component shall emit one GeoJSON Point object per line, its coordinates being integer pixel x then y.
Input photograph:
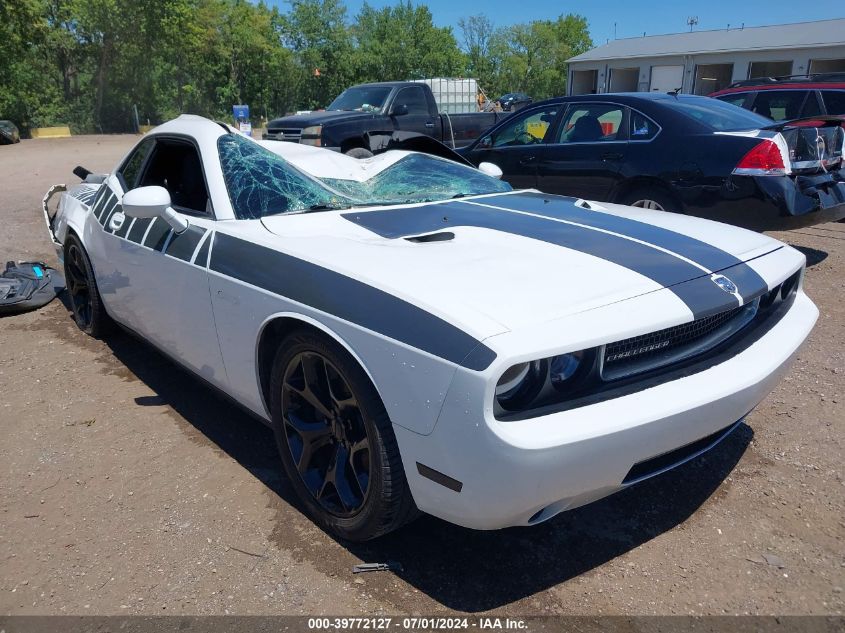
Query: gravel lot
{"type": "Point", "coordinates": [126, 487]}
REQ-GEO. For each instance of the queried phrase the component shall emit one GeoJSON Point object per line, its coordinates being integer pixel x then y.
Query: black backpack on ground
{"type": "Point", "coordinates": [27, 286]}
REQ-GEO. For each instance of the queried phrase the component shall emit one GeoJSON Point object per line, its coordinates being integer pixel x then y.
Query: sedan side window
{"type": "Point", "coordinates": [175, 165]}
{"type": "Point", "coordinates": [592, 123]}
{"type": "Point", "coordinates": [642, 128]}
{"type": "Point", "coordinates": [129, 171]}
{"type": "Point", "coordinates": [526, 129]}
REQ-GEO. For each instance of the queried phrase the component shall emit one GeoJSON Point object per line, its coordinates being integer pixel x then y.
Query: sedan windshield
{"type": "Point", "coordinates": [361, 99]}
{"type": "Point", "coordinates": [261, 183]}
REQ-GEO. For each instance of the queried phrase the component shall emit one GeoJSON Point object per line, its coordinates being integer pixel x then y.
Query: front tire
{"type": "Point", "coordinates": [336, 440]}
{"type": "Point", "coordinates": [85, 301]}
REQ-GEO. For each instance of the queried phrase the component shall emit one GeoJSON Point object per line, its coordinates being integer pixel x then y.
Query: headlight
{"type": "Point", "coordinates": [520, 384]}
{"type": "Point", "coordinates": [563, 368]}
{"type": "Point", "coordinates": [540, 382]}
{"type": "Point", "coordinates": [311, 135]}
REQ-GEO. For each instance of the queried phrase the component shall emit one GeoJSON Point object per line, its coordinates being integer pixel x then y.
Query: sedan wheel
{"type": "Point", "coordinates": [336, 440]}
{"type": "Point", "coordinates": [648, 204]}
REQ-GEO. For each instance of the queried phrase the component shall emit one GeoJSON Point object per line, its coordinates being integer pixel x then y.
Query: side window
{"type": "Point", "coordinates": [811, 105]}
{"type": "Point", "coordinates": [642, 128]}
{"type": "Point", "coordinates": [834, 101]}
{"type": "Point", "coordinates": [526, 129]}
{"type": "Point", "coordinates": [592, 123]}
{"type": "Point", "coordinates": [779, 105]}
{"type": "Point", "coordinates": [175, 165]}
{"type": "Point", "coordinates": [414, 98]}
{"type": "Point", "coordinates": [129, 171]}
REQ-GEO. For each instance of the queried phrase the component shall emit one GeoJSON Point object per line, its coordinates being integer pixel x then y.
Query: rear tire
{"type": "Point", "coordinates": [651, 198]}
{"type": "Point", "coordinates": [85, 301]}
{"type": "Point", "coordinates": [335, 439]}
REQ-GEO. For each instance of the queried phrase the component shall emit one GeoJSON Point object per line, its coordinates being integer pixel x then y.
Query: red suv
{"type": "Point", "coordinates": [787, 98]}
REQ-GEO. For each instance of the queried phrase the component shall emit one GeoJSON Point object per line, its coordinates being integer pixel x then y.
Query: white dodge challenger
{"type": "Point", "coordinates": [421, 337]}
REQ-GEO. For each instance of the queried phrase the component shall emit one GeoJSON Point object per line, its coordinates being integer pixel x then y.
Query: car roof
{"type": "Point", "coordinates": [783, 85]}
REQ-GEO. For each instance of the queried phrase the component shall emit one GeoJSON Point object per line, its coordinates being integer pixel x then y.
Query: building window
{"type": "Point", "coordinates": [827, 66]}
{"type": "Point", "coordinates": [712, 77]}
{"type": "Point", "coordinates": [769, 69]}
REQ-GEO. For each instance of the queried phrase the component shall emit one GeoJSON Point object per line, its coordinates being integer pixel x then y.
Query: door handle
{"type": "Point", "coordinates": [429, 124]}
{"type": "Point", "coordinates": [527, 160]}
{"type": "Point", "coordinates": [117, 220]}
{"type": "Point", "coordinates": [611, 156]}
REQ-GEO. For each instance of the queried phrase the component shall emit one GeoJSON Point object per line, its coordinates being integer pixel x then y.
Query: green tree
{"type": "Point", "coordinates": [478, 34]}
{"type": "Point", "coordinates": [317, 32]}
{"type": "Point", "coordinates": [532, 57]}
{"type": "Point", "coordinates": [401, 42]}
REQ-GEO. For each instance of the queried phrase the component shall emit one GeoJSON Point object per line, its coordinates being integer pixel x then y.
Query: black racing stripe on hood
{"type": "Point", "coordinates": [663, 268]}
{"type": "Point", "coordinates": [561, 208]}
{"type": "Point", "coordinates": [347, 299]}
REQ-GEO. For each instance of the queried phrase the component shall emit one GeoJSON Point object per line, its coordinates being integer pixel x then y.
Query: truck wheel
{"type": "Point", "coordinates": [336, 440]}
{"type": "Point", "coordinates": [359, 152]}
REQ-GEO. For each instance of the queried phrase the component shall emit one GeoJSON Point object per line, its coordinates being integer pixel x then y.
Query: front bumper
{"type": "Point", "coordinates": [503, 474]}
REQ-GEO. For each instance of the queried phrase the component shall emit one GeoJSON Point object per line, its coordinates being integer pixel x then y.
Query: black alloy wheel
{"type": "Point", "coordinates": [326, 434]}
{"type": "Point", "coordinates": [85, 302]}
{"type": "Point", "coordinates": [335, 439]}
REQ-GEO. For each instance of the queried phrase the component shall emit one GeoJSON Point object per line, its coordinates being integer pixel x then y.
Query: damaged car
{"type": "Point", "coordinates": [420, 336]}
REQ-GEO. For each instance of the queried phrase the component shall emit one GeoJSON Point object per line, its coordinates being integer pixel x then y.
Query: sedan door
{"type": "Point", "coordinates": [151, 279]}
{"type": "Point", "coordinates": [585, 157]}
{"type": "Point", "coordinates": [517, 145]}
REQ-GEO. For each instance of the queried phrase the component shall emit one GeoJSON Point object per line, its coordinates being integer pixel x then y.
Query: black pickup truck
{"type": "Point", "coordinates": [363, 119]}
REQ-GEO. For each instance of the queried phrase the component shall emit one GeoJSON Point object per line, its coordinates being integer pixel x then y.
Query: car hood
{"type": "Point", "coordinates": [300, 121]}
{"type": "Point", "coordinates": [490, 264]}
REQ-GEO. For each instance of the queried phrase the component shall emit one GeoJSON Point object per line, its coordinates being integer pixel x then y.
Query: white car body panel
{"type": "Point", "coordinates": [435, 324]}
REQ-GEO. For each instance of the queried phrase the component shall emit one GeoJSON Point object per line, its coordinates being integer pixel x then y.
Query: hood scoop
{"type": "Point", "coordinates": [439, 236]}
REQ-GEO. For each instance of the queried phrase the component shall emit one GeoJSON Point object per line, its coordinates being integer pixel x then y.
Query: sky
{"type": "Point", "coordinates": [631, 18]}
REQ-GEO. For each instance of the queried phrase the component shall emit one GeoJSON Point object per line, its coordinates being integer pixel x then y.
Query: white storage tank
{"type": "Point", "coordinates": [453, 96]}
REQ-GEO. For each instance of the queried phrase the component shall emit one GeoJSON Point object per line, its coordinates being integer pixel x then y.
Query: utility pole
{"type": "Point", "coordinates": [692, 21]}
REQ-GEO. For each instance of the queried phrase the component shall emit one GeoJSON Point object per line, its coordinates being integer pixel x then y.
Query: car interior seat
{"type": "Point", "coordinates": [587, 128]}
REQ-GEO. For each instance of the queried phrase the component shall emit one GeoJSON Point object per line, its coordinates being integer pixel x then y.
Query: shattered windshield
{"type": "Point", "coordinates": [361, 98]}
{"type": "Point", "coordinates": [418, 178]}
{"type": "Point", "coordinates": [262, 183]}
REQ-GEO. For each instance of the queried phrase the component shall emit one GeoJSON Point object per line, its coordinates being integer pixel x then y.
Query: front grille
{"type": "Point", "coordinates": [649, 351]}
{"type": "Point", "coordinates": [284, 134]}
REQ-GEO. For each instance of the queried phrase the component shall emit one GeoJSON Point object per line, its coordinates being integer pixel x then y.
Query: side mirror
{"type": "Point", "coordinates": [400, 110]}
{"type": "Point", "coordinates": [491, 169]}
{"type": "Point", "coordinates": [485, 142]}
{"type": "Point", "coordinates": [152, 202]}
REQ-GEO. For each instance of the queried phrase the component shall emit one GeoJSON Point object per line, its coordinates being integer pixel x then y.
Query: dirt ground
{"type": "Point", "coordinates": [126, 487]}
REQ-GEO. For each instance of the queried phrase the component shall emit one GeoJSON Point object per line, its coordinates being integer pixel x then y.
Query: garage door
{"type": "Point", "coordinates": [666, 78]}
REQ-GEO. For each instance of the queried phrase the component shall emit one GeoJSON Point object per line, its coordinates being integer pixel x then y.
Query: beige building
{"type": "Point", "coordinates": [702, 62]}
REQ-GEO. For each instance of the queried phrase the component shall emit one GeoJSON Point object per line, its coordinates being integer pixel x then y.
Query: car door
{"type": "Point", "coordinates": [585, 157]}
{"type": "Point", "coordinates": [517, 145]}
{"type": "Point", "coordinates": [150, 278]}
{"type": "Point", "coordinates": [411, 113]}
{"type": "Point", "coordinates": [781, 105]}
